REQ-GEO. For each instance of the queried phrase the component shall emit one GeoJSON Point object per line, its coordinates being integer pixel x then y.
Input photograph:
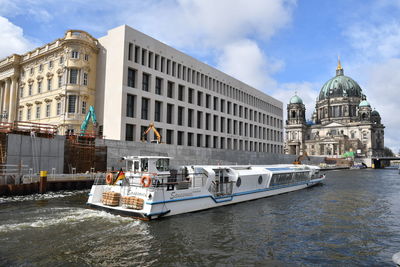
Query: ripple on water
{"type": "Point", "coordinates": [353, 220]}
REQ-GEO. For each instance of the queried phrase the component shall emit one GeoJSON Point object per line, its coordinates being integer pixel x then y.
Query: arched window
{"type": "Point", "coordinates": [364, 116]}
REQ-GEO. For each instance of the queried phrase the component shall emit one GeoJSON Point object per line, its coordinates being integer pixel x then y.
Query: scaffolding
{"type": "Point", "coordinates": [80, 151]}
{"type": "Point", "coordinates": [82, 155]}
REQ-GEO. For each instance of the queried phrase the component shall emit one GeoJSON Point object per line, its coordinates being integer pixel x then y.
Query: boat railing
{"type": "Point", "coordinates": [179, 181]}
{"type": "Point", "coordinates": [170, 181]}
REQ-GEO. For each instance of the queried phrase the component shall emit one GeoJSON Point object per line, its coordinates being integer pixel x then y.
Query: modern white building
{"type": "Point", "coordinates": [141, 80]}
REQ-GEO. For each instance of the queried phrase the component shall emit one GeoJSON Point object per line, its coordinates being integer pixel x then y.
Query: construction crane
{"type": "Point", "coordinates": [90, 115]}
{"type": "Point", "coordinates": [151, 127]}
{"type": "Point", "coordinates": [300, 158]}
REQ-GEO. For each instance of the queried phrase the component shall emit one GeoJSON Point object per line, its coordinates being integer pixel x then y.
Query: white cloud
{"type": "Point", "coordinates": [210, 23]}
{"type": "Point", "coordinates": [375, 41]}
{"type": "Point", "coordinates": [8, 7]}
{"type": "Point", "coordinates": [382, 82]}
{"type": "Point", "coordinates": [35, 9]}
{"type": "Point", "coordinates": [12, 39]}
{"type": "Point", "coordinates": [229, 32]}
{"type": "Point", "coordinates": [246, 61]}
{"type": "Point", "coordinates": [215, 30]}
{"type": "Point", "coordinates": [376, 61]}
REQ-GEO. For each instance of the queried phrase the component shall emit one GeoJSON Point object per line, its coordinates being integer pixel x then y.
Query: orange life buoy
{"type": "Point", "coordinates": [145, 181]}
{"type": "Point", "coordinates": [109, 178]}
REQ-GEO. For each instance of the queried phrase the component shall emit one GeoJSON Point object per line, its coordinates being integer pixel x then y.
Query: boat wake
{"type": "Point", "coordinates": [74, 216]}
{"type": "Point", "coordinates": [50, 195]}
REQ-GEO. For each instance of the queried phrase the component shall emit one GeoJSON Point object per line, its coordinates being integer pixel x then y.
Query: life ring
{"type": "Point", "coordinates": [145, 181]}
{"type": "Point", "coordinates": [109, 178]}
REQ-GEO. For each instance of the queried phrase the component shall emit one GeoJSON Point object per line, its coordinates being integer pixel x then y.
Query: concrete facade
{"type": "Point", "coordinates": [39, 154]}
{"type": "Point", "coordinates": [141, 80]}
{"type": "Point", "coordinates": [49, 153]}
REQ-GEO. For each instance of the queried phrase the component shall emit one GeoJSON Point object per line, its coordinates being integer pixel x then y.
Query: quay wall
{"type": "Point", "coordinates": [183, 155]}
{"type": "Point", "coordinates": [37, 153]}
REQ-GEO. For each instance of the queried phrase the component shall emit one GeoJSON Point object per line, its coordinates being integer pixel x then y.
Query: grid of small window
{"type": "Point", "coordinates": [222, 104]}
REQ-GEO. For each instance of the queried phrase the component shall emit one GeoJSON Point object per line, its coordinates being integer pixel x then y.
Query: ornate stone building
{"type": "Point", "coordinates": [343, 121]}
{"type": "Point", "coordinates": [52, 84]}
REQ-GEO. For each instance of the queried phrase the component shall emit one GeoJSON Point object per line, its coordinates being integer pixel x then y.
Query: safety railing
{"type": "Point", "coordinates": [168, 181]}
{"type": "Point", "coordinates": [23, 126]}
{"type": "Point", "coordinates": [12, 174]}
{"type": "Point", "coordinates": [32, 178]}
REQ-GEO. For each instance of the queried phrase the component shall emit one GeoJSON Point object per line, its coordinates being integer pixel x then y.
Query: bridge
{"type": "Point", "coordinates": [381, 162]}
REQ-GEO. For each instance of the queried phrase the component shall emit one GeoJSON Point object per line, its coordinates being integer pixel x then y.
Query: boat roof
{"type": "Point", "coordinates": [271, 168]}
{"type": "Point", "coordinates": [146, 157]}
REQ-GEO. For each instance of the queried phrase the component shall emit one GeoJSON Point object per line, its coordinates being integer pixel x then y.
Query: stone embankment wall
{"type": "Point", "coordinates": [48, 153]}
{"type": "Point", "coordinates": [183, 155]}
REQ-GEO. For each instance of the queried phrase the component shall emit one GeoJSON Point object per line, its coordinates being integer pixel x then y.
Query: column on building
{"type": "Point", "coordinates": [175, 122]}
{"type": "Point", "coordinates": [2, 89]}
{"type": "Point", "coordinates": [5, 111]}
{"type": "Point", "coordinates": [13, 100]}
{"type": "Point", "coordinates": [139, 118]}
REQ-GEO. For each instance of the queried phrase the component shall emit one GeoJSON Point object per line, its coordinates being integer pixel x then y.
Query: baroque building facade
{"type": "Point", "coordinates": [53, 84]}
{"type": "Point", "coordinates": [343, 121]}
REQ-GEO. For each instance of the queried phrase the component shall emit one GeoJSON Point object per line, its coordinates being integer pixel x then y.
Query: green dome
{"type": "Point", "coordinates": [296, 100]}
{"type": "Point", "coordinates": [364, 103]}
{"type": "Point", "coordinates": [375, 113]}
{"type": "Point", "coordinates": [340, 86]}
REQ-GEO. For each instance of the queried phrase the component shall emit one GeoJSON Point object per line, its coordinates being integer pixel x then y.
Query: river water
{"type": "Point", "coordinates": [351, 220]}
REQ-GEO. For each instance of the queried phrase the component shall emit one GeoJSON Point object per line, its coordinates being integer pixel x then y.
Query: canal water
{"type": "Point", "coordinates": [351, 220]}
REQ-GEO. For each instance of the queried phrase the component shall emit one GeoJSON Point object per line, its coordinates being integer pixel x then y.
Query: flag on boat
{"type": "Point", "coordinates": [120, 176]}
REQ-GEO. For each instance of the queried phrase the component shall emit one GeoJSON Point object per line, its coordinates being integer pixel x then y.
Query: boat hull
{"type": "Point", "coordinates": [190, 201]}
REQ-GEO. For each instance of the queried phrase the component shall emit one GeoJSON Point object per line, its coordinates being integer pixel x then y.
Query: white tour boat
{"type": "Point", "coordinates": [149, 189]}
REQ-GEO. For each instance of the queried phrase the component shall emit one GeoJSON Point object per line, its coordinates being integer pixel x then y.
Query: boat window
{"type": "Point", "coordinates": [260, 179]}
{"type": "Point", "coordinates": [136, 166]}
{"type": "Point", "coordinates": [200, 171]}
{"type": "Point", "coordinates": [238, 182]}
{"type": "Point", "coordinates": [162, 165]}
{"type": "Point", "coordinates": [129, 165]}
{"type": "Point", "coordinates": [145, 165]}
{"type": "Point", "coordinates": [288, 178]}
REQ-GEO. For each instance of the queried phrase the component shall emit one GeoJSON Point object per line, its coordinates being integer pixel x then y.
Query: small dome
{"type": "Point", "coordinates": [375, 113]}
{"type": "Point", "coordinates": [296, 100]}
{"type": "Point", "coordinates": [364, 103]}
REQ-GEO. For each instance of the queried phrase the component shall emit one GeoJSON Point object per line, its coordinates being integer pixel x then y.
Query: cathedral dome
{"type": "Point", "coordinates": [364, 103]}
{"type": "Point", "coordinates": [296, 100]}
{"type": "Point", "coordinates": [340, 86]}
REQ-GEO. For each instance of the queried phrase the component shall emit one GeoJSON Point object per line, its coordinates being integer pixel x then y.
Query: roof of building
{"type": "Point", "coordinates": [340, 86]}
{"type": "Point", "coordinates": [364, 103]}
{"type": "Point", "coordinates": [296, 100]}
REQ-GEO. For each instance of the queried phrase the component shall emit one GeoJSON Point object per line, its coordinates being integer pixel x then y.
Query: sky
{"type": "Point", "coordinates": [277, 46]}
